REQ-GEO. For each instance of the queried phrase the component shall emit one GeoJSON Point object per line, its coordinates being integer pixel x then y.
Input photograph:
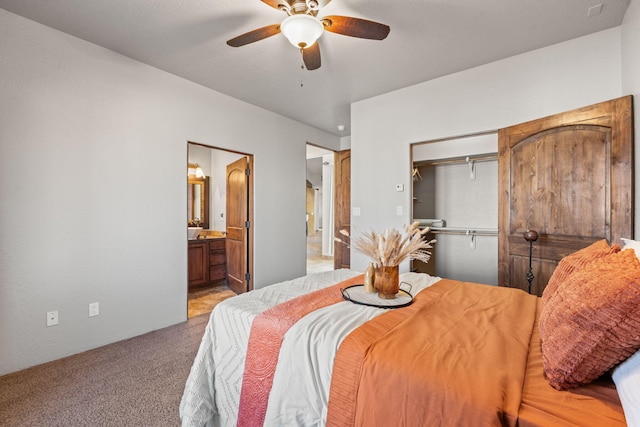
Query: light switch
{"type": "Point", "coordinates": [399, 210]}
{"type": "Point", "coordinates": [355, 211]}
{"type": "Point", "coordinates": [399, 187]}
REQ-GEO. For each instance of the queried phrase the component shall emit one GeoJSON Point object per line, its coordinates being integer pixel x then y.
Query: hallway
{"type": "Point", "coordinates": [315, 261]}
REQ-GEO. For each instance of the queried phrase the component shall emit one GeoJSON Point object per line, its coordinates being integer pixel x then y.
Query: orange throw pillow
{"type": "Point", "coordinates": [591, 321]}
{"type": "Point", "coordinates": [576, 261]}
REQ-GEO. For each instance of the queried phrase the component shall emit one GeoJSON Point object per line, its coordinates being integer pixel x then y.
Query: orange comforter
{"type": "Point", "coordinates": [457, 356]}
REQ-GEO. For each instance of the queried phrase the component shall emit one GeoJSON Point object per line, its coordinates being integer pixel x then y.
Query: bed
{"type": "Point", "coordinates": [297, 353]}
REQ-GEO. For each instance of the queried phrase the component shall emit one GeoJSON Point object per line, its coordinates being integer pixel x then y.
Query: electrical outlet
{"type": "Point", "coordinates": [94, 309]}
{"type": "Point", "coordinates": [52, 318]}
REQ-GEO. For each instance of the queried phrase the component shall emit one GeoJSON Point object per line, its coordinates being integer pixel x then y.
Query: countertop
{"type": "Point", "coordinates": [200, 238]}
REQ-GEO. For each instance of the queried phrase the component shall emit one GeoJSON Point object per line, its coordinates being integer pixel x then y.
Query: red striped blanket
{"type": "Point", "coordinates": [265, 340]}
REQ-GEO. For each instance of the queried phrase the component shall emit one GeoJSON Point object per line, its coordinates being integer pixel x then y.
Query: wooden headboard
{"type": "Point", "coordinates": [570, 178]}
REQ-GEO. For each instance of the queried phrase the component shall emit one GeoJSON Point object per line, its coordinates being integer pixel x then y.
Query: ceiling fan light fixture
{"type": "Point", "coordinates": [302, 30]}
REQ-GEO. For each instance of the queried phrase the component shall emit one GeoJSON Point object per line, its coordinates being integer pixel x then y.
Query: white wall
{"type": "Point", "coordinates": [631, 83]}
{"type": "Point", "coordinates": [536, 84]}
{"type": "Point", "coordinates": [93, 148]}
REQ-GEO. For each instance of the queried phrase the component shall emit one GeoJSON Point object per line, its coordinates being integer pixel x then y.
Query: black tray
{"type": "Point", "coordinates": [357, 295]}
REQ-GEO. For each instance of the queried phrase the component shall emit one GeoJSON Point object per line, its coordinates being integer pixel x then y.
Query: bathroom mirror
{"type": "Point", "coordinates": [198, 202]}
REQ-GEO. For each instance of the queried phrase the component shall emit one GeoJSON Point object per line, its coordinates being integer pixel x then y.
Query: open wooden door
{"type": "Point", "coordinates": [570, 178]}
{"type": "Point", "coordinates": [238, 225]}
{"type": "Point", "coordinates": [342, 207]}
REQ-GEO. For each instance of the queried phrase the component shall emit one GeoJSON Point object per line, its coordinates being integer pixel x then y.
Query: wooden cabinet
{"type": "Point", "coordinates": [217, 261]}
{"type": "Point", "coordinates": [207, 261]}
{"type": "Point", "coordinates": [198, 263]}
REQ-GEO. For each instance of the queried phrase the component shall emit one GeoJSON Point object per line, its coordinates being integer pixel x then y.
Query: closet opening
{"type": "Point", "coordinates": [455, 194]}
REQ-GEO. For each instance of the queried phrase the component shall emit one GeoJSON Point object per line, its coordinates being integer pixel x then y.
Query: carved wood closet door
{"type": "Point", "coordinates": [570, 178]}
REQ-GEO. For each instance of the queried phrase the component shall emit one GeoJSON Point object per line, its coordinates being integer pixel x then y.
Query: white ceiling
{"type": "Point", "coordinates": [428, 39]}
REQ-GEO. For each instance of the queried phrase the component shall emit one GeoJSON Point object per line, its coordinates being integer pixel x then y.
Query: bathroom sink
{"type": "Point", "coordinates": [193, 232]}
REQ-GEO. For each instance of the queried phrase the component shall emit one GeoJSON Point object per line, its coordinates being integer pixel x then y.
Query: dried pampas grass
{"type": "Point", "coordinates": [390, 248]}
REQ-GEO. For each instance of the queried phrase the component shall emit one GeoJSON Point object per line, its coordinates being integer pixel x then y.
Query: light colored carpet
{"type": "Point", "coordinates": [136, 382]}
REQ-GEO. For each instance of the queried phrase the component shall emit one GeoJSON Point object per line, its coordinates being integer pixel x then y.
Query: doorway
{"type": "Point", "coordinates": [212, 257]}
{"type": "Point", "coordinates": [319, 209]}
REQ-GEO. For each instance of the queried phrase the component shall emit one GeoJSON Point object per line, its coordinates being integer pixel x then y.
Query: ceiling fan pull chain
{"type": "Point", "coordinates": [302, 67]}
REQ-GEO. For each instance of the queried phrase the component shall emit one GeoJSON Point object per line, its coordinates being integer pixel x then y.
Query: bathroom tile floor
{"type": "Point", "coordinates": [202, 301]}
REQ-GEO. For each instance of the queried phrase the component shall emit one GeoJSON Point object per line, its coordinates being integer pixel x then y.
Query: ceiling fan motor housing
{"type": "Point", "coordinates": [310, 7]}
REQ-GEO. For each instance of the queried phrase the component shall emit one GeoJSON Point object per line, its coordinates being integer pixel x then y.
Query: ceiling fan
{"type": "Point", "coordinates": [303, 28]}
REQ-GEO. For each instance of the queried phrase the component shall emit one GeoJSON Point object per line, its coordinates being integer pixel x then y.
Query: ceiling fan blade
{"type": "Point", "coordinates": [255, 35]}
{"type": "Point", "coordinates": [356, 27]}
{"type": "Point", "coordinates": [311, 57]}
{"type": "Point", "coordinates": [273, 3]}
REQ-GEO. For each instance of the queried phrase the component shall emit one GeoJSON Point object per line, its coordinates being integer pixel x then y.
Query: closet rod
{"type": "Point", "coordinates": [465, 231]}
{"type": "Point", "coordinates": [455, 160]}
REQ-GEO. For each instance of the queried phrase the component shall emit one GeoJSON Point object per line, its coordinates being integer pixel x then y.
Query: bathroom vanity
{"type": "Point", "coordinates": [207, 262]}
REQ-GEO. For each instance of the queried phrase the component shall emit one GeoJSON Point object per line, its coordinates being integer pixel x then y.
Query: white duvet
{"type": "Point", "coordinates": [300, 391]}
